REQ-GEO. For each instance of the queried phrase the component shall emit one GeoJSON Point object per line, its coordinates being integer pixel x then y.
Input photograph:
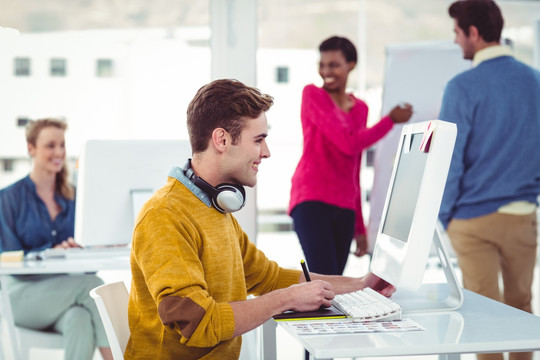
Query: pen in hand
{"type": "Point", "coordinates": [305, 269]}
{"type": "Point", "coordinates": [308, 278]}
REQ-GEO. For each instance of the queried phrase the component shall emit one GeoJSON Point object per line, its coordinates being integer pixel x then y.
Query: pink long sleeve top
{"type": "Point", "coordinates": [329, 169]}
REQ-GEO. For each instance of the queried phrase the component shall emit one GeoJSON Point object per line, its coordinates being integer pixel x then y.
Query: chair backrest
{"type": "Point", "coordinates": [112, 303]}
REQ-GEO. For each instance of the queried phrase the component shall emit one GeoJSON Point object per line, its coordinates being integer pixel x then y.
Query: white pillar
{"type": "Point", "coordinates": [234, 39]}
{"type": "Point", "coordinates": [234, 52]}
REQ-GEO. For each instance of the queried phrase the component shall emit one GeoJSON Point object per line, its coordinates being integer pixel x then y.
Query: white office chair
{"type": "Point", "coordinates": [22, 339]}
{"type": "Point", "coordinates": [30, 339]}
{"type": "Point", "coordinates": [112, 303]}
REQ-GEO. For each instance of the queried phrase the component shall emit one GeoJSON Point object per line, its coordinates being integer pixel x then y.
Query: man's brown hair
{"type": "Point", "coordinates": [485, 15]}
{"type": "Point", "coordinates": [226, 104]}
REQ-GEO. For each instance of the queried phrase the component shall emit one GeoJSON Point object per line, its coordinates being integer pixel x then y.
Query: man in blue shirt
{"type": "Point", "coordinates": [490, 200]}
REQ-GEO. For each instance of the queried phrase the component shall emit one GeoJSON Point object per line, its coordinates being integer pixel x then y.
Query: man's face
{"type": "Point", "coordinates": [464, 42]}
{"type": "Point", "coordinates": [245, 156]}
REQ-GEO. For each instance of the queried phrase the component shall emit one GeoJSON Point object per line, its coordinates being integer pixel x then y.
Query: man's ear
{"type": "Point", "coordinates": [473, 33]}
{"type": "Point", "coordinates": [220, 139]}
{"type": "Point", "coordinates": [30, 148]}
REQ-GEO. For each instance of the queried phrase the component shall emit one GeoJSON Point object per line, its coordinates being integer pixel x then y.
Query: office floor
{"type": "Point", "coordinates": [273, 244]}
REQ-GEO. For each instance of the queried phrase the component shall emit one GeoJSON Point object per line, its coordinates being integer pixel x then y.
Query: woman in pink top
{"type": "Point", "coordinates": [325, 194]}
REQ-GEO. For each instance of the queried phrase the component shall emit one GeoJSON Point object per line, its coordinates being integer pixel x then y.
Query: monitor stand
{"type": "Point", "coordinates": [434, 297]}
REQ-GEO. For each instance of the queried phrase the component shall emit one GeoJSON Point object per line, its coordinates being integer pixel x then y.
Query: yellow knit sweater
{"type": "Point", "coordinates": [188, 261]}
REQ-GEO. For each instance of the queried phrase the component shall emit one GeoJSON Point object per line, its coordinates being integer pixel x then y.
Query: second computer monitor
{"type": "Point", "coordinates": [412, 202]}
{"type": "Point", "coordinates": [115, 178]}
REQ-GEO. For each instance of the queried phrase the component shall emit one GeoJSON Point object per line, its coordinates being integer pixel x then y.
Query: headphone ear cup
{"type": "Point", "coordinates": [226, 198]}
{"type": "Point", "coordinates": [230, 198]}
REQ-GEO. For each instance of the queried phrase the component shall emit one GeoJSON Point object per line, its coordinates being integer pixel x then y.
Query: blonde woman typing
{"type": "Point", "coordinates": [38, 212]}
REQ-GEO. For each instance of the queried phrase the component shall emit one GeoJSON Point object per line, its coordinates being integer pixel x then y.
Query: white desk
{"type": "Point", "coordinates": [481, 325]}
{"type": "Point", "coordinates": [49, 267]}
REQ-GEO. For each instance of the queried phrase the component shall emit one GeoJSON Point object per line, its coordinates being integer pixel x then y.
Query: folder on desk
{"type": "Point", "coordinates": [323, 313]}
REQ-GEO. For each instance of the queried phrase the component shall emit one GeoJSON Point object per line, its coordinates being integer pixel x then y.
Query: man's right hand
{"type": "Point", "coordinates": [310, 295]}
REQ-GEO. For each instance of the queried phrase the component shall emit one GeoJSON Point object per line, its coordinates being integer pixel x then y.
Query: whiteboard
{"type": "Point", "coordinates": [416, 73]}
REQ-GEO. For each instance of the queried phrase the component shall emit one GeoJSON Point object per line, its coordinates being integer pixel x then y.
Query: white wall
{"type": "Point", "coordinates": [155, 77]}
{"type": "Point", "coordinates": [285, 129]}
{"type": "Point", "coordinates": [157, 73]}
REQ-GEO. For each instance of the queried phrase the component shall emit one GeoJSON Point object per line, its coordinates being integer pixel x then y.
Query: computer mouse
{"type": "Point", "coordinates": [34, 256]}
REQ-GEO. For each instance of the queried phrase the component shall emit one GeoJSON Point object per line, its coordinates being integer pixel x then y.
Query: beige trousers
{"type": "Point", "coordinates": [497, 244]}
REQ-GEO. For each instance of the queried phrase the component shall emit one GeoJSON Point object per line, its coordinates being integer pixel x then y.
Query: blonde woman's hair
{"type": "Point", "coordinates": [33, 129]}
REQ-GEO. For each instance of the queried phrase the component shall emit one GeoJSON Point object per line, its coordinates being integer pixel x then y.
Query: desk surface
{"type": "Point", "coordinates": [480, 325]}
{"type": "Point", "coordinates": [65, 265]}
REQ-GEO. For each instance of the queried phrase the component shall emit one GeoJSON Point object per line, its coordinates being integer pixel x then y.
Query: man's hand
{"type": "Point", "coordinates": [310, 295]}
{"type": "Point", "coordinates": [306, 296]}
{"type": "Point", "coordinates": [376, 283]}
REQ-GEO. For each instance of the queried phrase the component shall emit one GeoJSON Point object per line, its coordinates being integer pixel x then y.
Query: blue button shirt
{"type": "Point", "coordinates": [25, 223]}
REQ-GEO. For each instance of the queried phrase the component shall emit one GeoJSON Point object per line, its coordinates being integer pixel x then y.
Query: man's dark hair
{"type": "Point", "coordinates": [485, 15]}
{"type": "Point", "coordinates": [226, 104]}
{"type": "Point", "coordinates": [342, 44]}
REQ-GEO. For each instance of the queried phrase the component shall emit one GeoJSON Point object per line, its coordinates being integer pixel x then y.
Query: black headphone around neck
{"type": "Point", "coordinates": [226, 198]}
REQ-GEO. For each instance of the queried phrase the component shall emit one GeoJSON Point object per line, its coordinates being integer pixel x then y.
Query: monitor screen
{"type": "Point", "coordinates": [412, 203]}
{"type": "Point", "coordinates": [405, 190]}
{"type": "Point", "coordinates": [115, 178]}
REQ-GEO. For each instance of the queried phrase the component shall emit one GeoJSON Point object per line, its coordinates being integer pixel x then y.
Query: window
{"type": "Point", "coordinates": [22, 66]}
{"type": "Point", "coordinates": [282, 74]}
{"type": "Point", "coordinates": [22, 121]}
{"type": "Point", "coordinates": [7, 165]}
{"type": "Point", "coordinates": [104, 68]}
{"type": "Point", "coordinates": [58, 67]}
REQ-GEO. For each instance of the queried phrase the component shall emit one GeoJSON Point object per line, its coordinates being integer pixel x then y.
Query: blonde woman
{"type": "Point", "coordinates": [36, 213]}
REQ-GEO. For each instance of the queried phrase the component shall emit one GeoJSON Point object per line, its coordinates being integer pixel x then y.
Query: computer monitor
{"type": "Point", "coordinates": [114, 179]}
{"type": "Point", "coordinates": [410, 214]}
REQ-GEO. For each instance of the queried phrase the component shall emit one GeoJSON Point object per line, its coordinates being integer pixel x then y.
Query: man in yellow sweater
{"type": "Point", "coordinates": [192, 265]}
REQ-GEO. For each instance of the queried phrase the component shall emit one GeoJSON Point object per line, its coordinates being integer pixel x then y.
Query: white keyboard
{"type": "Point", "coordinates": [366, 305]}
{"type": "Point", "coordinates": [85, 253]}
